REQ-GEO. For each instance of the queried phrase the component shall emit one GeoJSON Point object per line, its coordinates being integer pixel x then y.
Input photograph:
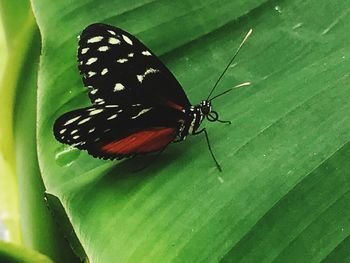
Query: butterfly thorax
{"type": "Point", "coordinates": [194, 117]}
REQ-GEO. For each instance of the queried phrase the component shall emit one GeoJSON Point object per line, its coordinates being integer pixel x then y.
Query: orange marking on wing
{"type": "Point", "coordinates": [142, 142]}
{"type": "Point", "coordinates": [174, 105]}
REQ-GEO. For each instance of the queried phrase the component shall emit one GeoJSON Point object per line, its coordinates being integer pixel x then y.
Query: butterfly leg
{"type": "Point", "coordinates": [228, 122]}
{"type": "Point", "coordinates": [208, 143]}
{"type": "Point", "coordinates": [214, 116]}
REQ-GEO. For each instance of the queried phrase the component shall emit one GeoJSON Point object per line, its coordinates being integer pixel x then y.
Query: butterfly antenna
{"type": "Point", "coordinates": [235, 87]}
{"type": "Point", "coordinates": [232, 59]}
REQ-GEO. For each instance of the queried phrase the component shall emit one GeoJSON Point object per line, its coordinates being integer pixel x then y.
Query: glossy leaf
{"type": "Point", "coordinates": [283, 194]}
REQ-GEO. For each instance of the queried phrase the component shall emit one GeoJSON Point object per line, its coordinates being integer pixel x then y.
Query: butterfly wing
{"type": "Point", "coordinates": [115, 131]}
{"type": "Point", "coordinates": [118, 68]}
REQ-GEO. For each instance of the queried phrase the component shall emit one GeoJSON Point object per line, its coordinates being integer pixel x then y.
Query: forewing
{"type": "Point", "coordinates": [117, 67]}
{"type": "Point", "coordinates": [115, 131]}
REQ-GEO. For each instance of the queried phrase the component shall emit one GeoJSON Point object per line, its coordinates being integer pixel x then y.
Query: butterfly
{"type": "Point", "coordinates": [138, 106]}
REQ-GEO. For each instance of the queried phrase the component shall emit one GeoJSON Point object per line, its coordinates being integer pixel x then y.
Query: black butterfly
{"type": "Point", "coordinates": [138, 105]}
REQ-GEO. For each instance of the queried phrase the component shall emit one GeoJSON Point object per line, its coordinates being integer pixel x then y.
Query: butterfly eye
{"type": "Point", "coordinates": [205, 109]}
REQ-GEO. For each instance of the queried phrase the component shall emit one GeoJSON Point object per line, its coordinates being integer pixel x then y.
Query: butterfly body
{"type": "Point", "coordinates": [195, 115]}
{"type": "Point", "coordinates": [138, 106]}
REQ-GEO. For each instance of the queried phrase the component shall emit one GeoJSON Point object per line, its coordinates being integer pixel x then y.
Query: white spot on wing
{"type": "Point", "coordinates": [72, 120]}
{"type": "Point", "coordinates": [84, 120]}
{"type": "Point", "coordinates": [84, 50]}
{"type": "Point", "coordinates": [113, 41]}
{"type": "Point", "coordinates": [104, 71]}
{"type": "Point", "coordinates": [151, 70]}
{"type": "Point", "coordinates": [148, 71]}
{"type": "Point", "coordinates": [95, 39]}
{"type": "Point", "coordinates": [91, 73]}
{"type": "Point", "coordinates": [76, 137]}
{"type": "Point", "coordinates": [139, 78]}
{"type": "Point", "coordinates": [91, 60]}
{"type": "Point", "coordinates": [103, 48]}
{"type": "Point", "coordinates": [112, 106]}
{"type": "Point", "coordinates": [112, 117]}
{"type": "Point", "coordinates": [141, 112]}
{"type": "Point", "coordinates": [74, 131]}
{"type": "Point", "coordinates": [95, 112]}
{"type": "Point", "coordinates": [112, 32]}
{"type": "Point", "coordinates": [122, 60]}
{"type": "Point", "coordinates": [118, 87]}
{"type": "Point", "coordinates": [130, 55]}
{"type": "Point", "coordinates": [99, 101]}
{"type": "Point", "coordinates": [62, 131]}
{"type": "Point", "coordinates": [146, 53]}
{"type": "Point", "coordinates": [127, 40]}
{"type": "Point", "coordinates": [93, 91]}
{"type": "Point", "coordinates": [91, 130]}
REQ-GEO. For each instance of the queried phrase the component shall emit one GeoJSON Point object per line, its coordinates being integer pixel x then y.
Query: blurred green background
{"type": "Point", "coordinates": [283, 195]}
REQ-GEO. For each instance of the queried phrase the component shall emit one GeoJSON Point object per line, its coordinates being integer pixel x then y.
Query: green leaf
{"type": "Point", "coordinates": [10, 253]}
{"type": "Point", "coordinates": [283, 194]}
{"type": "Point", "coordinates": [37, 228]}
{"type": "Point", "coordinates": [15, 14]}
{"type": "Point", "coordinates": [12, 59]}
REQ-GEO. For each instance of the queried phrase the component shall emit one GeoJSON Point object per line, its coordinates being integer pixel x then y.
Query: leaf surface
{"type": "Point", "coordinates": [283, 194]}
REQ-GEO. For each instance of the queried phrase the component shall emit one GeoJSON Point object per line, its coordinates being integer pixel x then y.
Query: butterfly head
{"type": "Point", "coordinates": [205, 107]}
{"type": "Point", "coordinates": [207, 112]}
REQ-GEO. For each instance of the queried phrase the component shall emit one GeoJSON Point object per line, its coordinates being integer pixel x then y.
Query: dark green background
{"type": "Point", "coordinates": [283, 195]}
